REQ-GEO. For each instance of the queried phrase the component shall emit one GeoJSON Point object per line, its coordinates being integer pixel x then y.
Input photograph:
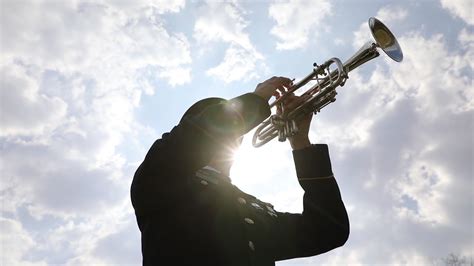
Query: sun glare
{"type": "Point", "coordinates": [247, 163]}
{"type": "Point", "coordinates": [253, 166]}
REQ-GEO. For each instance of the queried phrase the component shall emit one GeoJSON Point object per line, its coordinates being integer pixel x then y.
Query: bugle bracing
{"type": "Point", "coordinates": [327, 77]}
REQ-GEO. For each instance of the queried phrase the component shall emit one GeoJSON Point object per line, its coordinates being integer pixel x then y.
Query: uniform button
{"type": "Point", "coordinates": [272, 214]}
{"type": "Point", "coordinates": [256, 206]}
{"type": "Point", "coordinates": [204, 182]}
{"type": "Point", "coordinates": [249, 221]}
{"type": "Point", "coordinates": [242, 200]}
{"type": "Point", "coordinates": [251, 246]}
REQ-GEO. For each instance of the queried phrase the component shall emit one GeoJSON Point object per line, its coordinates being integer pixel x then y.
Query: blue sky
{"type": "Point", "coordinates": [87, 86]}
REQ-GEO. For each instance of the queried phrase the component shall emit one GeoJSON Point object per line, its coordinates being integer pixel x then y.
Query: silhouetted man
{"type": "Point", "coordinates": [189, 213]}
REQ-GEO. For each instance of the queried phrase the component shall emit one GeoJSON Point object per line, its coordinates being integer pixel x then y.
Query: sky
{"type": "Point", "coordinates": [87, 86]}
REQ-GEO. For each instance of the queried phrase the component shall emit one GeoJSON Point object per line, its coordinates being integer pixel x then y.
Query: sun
{"type": "Point", "coordinates": [247, 163]}
{"type": "Point", "coordinates": [253, 165]}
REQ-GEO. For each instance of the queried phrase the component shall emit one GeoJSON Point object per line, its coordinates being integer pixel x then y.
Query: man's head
{"type": "Point", "coordinates": [223, 158]}
{"type": "Point", "coordinates": [201, 105]}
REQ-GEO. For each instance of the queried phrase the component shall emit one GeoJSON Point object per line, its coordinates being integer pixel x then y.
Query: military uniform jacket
{"type": "Point", "coordinates": [188, 216]}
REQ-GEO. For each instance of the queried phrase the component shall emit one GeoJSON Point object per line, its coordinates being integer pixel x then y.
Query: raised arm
{"type": "Point", "coordinates": [324, 224]}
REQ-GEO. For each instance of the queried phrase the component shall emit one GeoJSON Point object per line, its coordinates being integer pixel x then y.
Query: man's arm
{"type": "Point", "coordinates": [324, 224]}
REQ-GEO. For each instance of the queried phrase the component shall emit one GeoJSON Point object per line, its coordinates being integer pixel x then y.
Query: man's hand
{"type": "Point", "coordinates": [301, 139]}
{"type": "Point", "coordinates": [274, 86]}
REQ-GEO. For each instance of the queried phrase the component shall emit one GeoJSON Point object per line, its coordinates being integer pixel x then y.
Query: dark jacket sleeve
{"type": "Point", "coordinates": [191, 144]}
{"type": "Point", "coordinates": [324, 224]}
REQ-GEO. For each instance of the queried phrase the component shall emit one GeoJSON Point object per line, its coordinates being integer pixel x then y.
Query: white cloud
{"type": "Point", "coordinates": [426, 185]}
{"type": "Point", "coordinates": [176, 76]}
{"type": "Point", "coordinates": [238, 64]}
{"type": "Point", "coordinates": [224, 22]}
{"type": "Point", "coordinates": [116, 248]}
{"type": "Point", "coordinates": [160, 6]}
{"type": "Point", "coordinates": [72, 73]}
{"type": "Point", "coordinates": [53, 240]}
{"type": "Point", "coordinates": [15, 243]}
{"type": "Point", "coordinates": [88, 58]}
{"type": "Point", "coordinates": [461, 8]}
{"type": "Point", "coordinates": [443, 84]}
{"type": "Point", "coordinates": [99, 42]}
{"type": "Point", "coordinates": [392, 14]}
{"type": "Point", "coordinates": [23, 109]}
{"type": "Point", "coordinates": [401, 146]}
{"type": "Point", "coordinates": [297, 21]}
{"type": "Point", "coordinates": [417, 153]}
{"type": "Point", "coordinates": [78, 186]}
{"type": "Point", "coordinates": [466, 39]}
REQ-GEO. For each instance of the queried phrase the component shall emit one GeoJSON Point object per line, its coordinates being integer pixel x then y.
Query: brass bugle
{"type": "Point", "coordinates": [323, 92]}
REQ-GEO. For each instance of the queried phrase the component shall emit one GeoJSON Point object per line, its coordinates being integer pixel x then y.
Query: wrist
{"type": "Point", "coordinates": [262, 95]}
{"type": "Point", "coordinates": [299, 143]}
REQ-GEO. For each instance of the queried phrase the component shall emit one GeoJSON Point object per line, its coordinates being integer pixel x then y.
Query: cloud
{"type": "Point", "coordinates": [238, 64]}
{"type": "Point", "coordinates": [72, 75]}
{"type": "Point", "coordinates": [224, 22]}
{"type": "Point", "coordinates": [460, 8]}
{"type": "Point", "coordinates": [392, 14]}
{"type": "Point", "coordinates": [159, 6]}
{"type": "Point", "coordinates": [63, 184]}
{"type": "Point", "coordinates": [296, 21]}
{"type": "Point", "coordinates": [117, 248]}
{"type": "Point", "coordinates": [177, 76]}
{"type": "Point", "coordinates": [466, 39]}
{"type": "Point", "coordinates": [23, 109]}
{"type": "Point", "coordinates": [15, 242]}
{"type": "Point", "coordinates": [413, 121]}
{"type": "Point", "coordinates": [97, 41]}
